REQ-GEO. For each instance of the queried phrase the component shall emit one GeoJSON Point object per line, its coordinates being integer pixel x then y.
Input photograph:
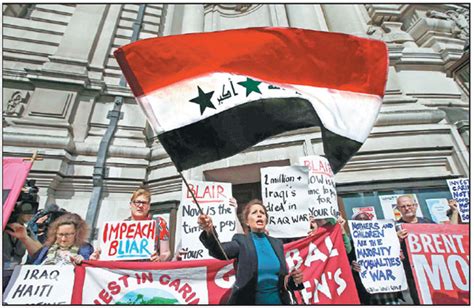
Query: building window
{"type": "Point", "coordinates": [379, 200]}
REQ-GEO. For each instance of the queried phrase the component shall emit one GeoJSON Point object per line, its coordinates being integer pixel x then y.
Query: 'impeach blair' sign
{"type": "Point", "coordinates": [285, 195]}
{"type": "Point", "coordinates": [460, 191]}
{"type": "Point", "coordinates": [327, 278]}
{"type": "Point", "coordinates": [440, 257]}
{"type": "Point", "coordinates": [321, 187]}
{"type": "Point", "coordinates": [213, 197]}
{"type": "Point", "coordinates": [40, 285]}
{"type": "Point", "coordinates": [377, 251]}
{"type": "Point", "coordinates": [127, 240]}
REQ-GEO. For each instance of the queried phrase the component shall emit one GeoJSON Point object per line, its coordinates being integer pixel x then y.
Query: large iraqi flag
{"type": "Point", "coordinates": [211, 95]}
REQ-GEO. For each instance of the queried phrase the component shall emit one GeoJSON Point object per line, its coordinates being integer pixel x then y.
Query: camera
{"type": "Point", "coordinates": [29, 192]}
{"type": "Point", "coordinates": [27, 202]}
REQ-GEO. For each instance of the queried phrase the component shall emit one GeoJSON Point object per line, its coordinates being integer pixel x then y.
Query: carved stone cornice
{"type": "Point", "coordinates": [380, 13]}
{"type": "Point", "coordinates": [232, 10]}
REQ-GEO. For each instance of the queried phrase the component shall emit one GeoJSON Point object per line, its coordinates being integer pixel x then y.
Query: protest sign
{"type": "Point", "coordinates": [127, 240]}
{"type": "Point", "coordinates": [389, 206]}
{"type": "Point", "coordinates": [15, 171]}
{"type": "Point", "coordinates": [285, 195]}
{"type": "Point", "coordinates": [460, 191]}
{"type": "Point", "coordinates": [40, 285]}
{"type": "Point", "coordinates": [368, 210]}
{"type": "Point", "coordinates": [377, 251]}
{"type": "Point", "coordinates": [327, 277]}
{"type": "Point", "coordinates": [321, 187]}
{"type": "Point", "coordinates": [438, 208]}
{"type": "Point", "coordinates": [213, 197]}
{"type": "Point", "coordinates": [439, 255]}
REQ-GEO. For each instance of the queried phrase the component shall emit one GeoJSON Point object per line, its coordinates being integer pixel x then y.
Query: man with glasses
{"type": "Point", "coordinates": [407, 207]}
{"type": "Point", "coordinates": [139, 210]}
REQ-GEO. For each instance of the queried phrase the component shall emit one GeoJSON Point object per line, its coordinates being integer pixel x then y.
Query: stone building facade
{"type": "Point", "coordinates": [62, 90]}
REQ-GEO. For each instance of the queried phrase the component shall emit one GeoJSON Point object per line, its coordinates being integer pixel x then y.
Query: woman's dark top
{"type": "Point", "coordinates": [242, 249]}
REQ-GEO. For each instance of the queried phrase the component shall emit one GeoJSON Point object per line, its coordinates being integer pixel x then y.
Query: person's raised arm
{"type": "Point", "coordinates": [453, 205]}
{"type": "Point", "coordinates": [19, 231]}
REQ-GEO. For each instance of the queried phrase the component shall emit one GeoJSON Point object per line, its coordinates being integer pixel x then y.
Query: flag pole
{"type": "Point", "coordinates": [213, 231]}
{"type": "Point", "coordinates": [34, 157]}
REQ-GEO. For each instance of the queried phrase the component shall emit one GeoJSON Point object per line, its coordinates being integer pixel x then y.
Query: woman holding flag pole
{"type": "Point", "coordinates": [261, 272]}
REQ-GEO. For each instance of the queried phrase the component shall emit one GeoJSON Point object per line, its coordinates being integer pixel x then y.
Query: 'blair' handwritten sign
{"type": "Point", "coordinates": [285, 195]}
{"type": "Point", "coordinates": [377, 251]}
{"type": "Point", "coordinates": [213, 197]}
{"type": "Point", "coordinates": [321, 187]}
{"type": "Point", "coordinates": [460, 190]}
{"type": "Point", "coordinates": [127, 240]}
{"type": "Point", "coordinates": [40, 285]}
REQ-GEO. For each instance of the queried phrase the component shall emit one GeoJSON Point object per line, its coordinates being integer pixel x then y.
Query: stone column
{"type": "Point", "coordinates": [77, 46]}
{"type": "Point", "coordinates": [193, 18]}
{"type": "Point", "coordinates": [306, 16]}
{"type": "Point", "coordinates": [345, 18]}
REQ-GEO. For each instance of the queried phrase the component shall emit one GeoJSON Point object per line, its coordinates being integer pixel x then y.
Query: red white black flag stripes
{"type": "Point", "coordinates": [211, 95]}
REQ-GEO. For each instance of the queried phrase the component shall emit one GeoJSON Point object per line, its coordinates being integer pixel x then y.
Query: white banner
{"type": "Point", "coordinates": [40, 285]}
{"type": "Point", "coordinates": [321, 187]}
{"type": "Point", "coordinates": [460, 191]}
{"type": "Point", "coordinates": [389, 206]}
{"type": "Point", "coordinates": [285, 195]}
{"type": "Point", "coordinates": [213, 197]}
{"type": "Point", "coordinates": [377, 251]}
{"type": "Point", "coordinates": [145, 287]}
{"type": "Point", "coordinates": [127, 240]}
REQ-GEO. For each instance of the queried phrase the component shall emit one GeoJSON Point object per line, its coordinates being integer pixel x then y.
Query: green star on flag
{"type": "Point", "coordinates": [250, 86]}
{"type": "Point", "coordinates": [203, 100]}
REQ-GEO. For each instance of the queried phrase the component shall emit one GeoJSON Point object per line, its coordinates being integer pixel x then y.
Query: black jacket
{"type": "Point", "coordinates": [242, 249]}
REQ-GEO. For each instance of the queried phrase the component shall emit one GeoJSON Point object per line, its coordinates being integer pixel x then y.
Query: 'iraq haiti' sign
{"type": "Point", "coordinates": [40, 285]}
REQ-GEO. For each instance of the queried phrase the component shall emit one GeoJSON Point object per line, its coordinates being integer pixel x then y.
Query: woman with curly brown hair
{"type": "Point", "coordinates": [65, 244]}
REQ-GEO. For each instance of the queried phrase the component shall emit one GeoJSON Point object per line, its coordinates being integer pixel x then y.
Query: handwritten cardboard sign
{"type": "Point", "coordinates": [127, 240]}
{"type": "Point", "coordinates": [321, 187]}
{"type": "Point", "coordinates": [285, 195]}
{"type": "Point", "coordinates": [460, 191]}
{"type": "Point", "coordinates": [213, 197]}
{"type": "Point", "coordinates": [377, 251]}
{"type": "Point", "coordinates": [40, 285]}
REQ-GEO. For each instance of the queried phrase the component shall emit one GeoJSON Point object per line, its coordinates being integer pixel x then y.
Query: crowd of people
{"type": "Point", "coordinates": [54, 236]}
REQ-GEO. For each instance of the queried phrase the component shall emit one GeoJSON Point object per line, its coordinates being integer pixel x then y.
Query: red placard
{"type": "Point", "coordinates": [439, 258]}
